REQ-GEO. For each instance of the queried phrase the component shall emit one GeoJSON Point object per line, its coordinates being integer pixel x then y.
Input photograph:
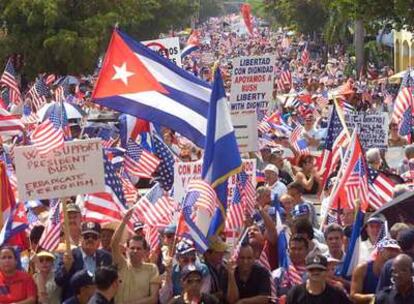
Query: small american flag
{"type": "Point", "coordinates": [381, 188]}
{"type": "Point", "coordinates": [406, 124]}
{"type": "Point", "coordinates": [356, 187]}
{"type": "Point", "coordinates": [29, 117]}
{"type": "Point", "coordinates": [51, 235]}
{"type": "Point", "coordinates": [39, 93]}
{"type": "Point", "coordinates": [130, 192]}
{"type": "Point", "coordinates": [139, 162]}
{"type": "Point", "coordinates": [9, 79]}
{"type": "Point", "coordinates": [243, 202]}
{"type": "Point", "coordinates": [264, 262]}
{"type": "Point", "coordinates": [156, 207]}
{"type": "Point", "coordinates": [403, 101]}
{"type": "Point", "coordinates": [305, 57]}
{"type": "Point", "coordinates": [109, 205]}
{"type": "Point", "coordinates": [47, 138]}
{"type": "Point", "coordinates": [207, 199]}
{"type": "Point", "coordinates": [50, 79]}
{"type": "Point", "coordinates": [107, 137]}
{"type": "Point", "coordinates": [10, 125]}
{"type": "Point", "coordinates": [165, 171]}
{"type": "Point", "coordinates": [152, 236]}
{"type": "Point", "coordinates": [299, 144]}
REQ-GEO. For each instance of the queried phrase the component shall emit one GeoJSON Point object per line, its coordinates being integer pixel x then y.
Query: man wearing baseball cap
{"type": "Point", "coordinates": [315, 289]}
{"type": "Point", "coordinates": [366, 275]}
{"type": "Point", "coordinates": [373, 227]}
{"type": "Point", "coordinates": [87, 256]}
{"type": "Point", "coordinates": [278, 188]}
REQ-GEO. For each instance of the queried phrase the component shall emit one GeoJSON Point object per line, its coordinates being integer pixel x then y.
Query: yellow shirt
{"type": "Point", "coordinates": [136, 282]}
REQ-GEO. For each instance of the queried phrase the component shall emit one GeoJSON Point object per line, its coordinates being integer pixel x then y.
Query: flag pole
{"type": "Point", "coordinates": [66, 226]}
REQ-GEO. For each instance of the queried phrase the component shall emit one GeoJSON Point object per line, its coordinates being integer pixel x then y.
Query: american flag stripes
{"type": "Point", "coordinates": [38, 93]}
{"type": "Point", "coordinates": [381, 188]}
{"type": "Point", "coordinates": [130, 192]}
{"type": "Point", "coordinates": [299, 144]}
{"type": "Point", "coordinates": [243, 202]}
{"type": "Point", "coordinates": [10, 125]}
{"type": "Point", "coordinates": [356, 186]}
{"type": "Point", "coordinates": [348, 108]}
{"type": "Point", "coordinates": [139, 162]}
{"type": "Point", "coordinates": [50, 238]}
{"type": "Point", "coordinates": [336, 140]}
{"type": "Point", "coordinates": [9, 79]}
{"type": "Point", "coordinates": [305, 56]}
{"type": "Point", "coordinates": [207, 199]}
{"type": "Point", "coordinates": [156, 207]}
{"type": "Point", "coordinates": [294, 275]}
{"type": "Point", "coordinates": [264, 262]}
{"type": "Point", "coordinates": [152, 236]}
{"type": "Point", "coordinates": [403, 101]}
{"type": "Point", "coordinates": [406, 125]}
{"type": "Point", "coordinates": [108, 205]}
{"type": "Point", "coordinates": [47, 138]}
{"type": "Point", "coordinates": [50, 79]}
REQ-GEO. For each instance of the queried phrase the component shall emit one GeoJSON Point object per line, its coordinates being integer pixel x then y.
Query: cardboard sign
{"type": "Point", "coordinates": [76, 169]}
{"type": "Point", "coordinates": [372, 128]}
{"type": "Point", "coordinates": [167, 47]}
{"type": "Point", "coordinates": [245, 128]}
{"type": "Point", "coordinates": [184, 172]}
{"type": "Point", "coordinates": [252, 83]}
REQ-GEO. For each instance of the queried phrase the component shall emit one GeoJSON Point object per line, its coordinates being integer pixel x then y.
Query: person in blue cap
{"type": "Point", "coordinates": [186, 254]}
{"type": "Point", "coordinates": [82, 283]}
{"type": "Point", "coordinates": [191, 280]}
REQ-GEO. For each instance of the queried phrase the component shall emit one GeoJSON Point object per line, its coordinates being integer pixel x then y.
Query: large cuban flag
{"type": "Point", "coordinates": [136, 80]}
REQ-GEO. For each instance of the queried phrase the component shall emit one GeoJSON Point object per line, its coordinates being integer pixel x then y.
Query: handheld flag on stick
{"type": "Point", "coordinates": [221, 157]}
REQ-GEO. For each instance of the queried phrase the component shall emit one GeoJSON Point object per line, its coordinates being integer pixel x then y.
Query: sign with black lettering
{"type": "Point", "coordinates": [372, 128]}
{"type": "Point", "coordinates": [75, 169]}
{"type": "Point", "coordinates": [252, 83]}
{"type": "Point", "coordinates": [167, 47]}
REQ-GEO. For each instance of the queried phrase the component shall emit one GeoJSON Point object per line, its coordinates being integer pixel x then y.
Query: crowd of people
{"type": "Point", "coordinates": [294, 247]}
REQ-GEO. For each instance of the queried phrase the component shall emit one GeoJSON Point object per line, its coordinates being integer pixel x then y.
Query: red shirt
{"type": "Point", "coordinates": [17, 287]}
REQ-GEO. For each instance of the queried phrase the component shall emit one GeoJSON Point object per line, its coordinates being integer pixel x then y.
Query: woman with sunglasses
{"type": "Point", "coordinates": [47, 290]}
{"type": "Point", "coordinates": [16, 286]}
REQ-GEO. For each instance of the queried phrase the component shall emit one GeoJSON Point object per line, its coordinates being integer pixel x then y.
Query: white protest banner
{"type": "Point", "coordinates": [245, 128]}
{"type": "Point", "coordinates": [252, 83]}
{"type": "Point", "coordinates": [372, 128]}
{"type": "Point", "coordinates": [167, 47]}
{"type": "Point", "coordinates": [76, 169]}
{"type": "Point", "coordinates": [184, 172]}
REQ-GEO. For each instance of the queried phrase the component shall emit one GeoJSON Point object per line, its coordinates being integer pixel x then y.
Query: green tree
{"type": "Point", "coordinates": [67, 36]}
{"type": "Point", "coordinates": [307, 17]}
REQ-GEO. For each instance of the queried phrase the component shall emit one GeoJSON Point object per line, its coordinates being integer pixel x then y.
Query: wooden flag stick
{"type": "Point", "coordinates": [66, 226]}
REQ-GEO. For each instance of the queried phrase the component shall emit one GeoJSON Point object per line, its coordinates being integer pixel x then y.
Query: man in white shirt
{"type": "Point", "coordinates": [373, 225]}
{"type": "Point", "coordinates": [278, 188]}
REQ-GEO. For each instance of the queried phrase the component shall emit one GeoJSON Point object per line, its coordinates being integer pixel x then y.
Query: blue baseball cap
{"type": "Point", "coordinates": [300, 210]}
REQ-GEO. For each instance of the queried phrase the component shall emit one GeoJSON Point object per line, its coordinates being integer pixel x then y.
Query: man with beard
{"type": "Point", "coordinates": [316, 290]}
{"type": "Point", "coordinates": [140, 280]}
{"type": "Point", "coordinates": [87, 256]}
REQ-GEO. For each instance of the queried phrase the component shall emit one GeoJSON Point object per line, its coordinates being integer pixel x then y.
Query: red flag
{"type": "Point", "coordinates": [247, 17]}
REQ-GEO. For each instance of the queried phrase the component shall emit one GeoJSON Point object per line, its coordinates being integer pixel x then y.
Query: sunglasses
{"type": "Point", "coordinates": [169, 236]}
{"type": "Point", "coordinates": [41, 260]}
{"type": "Point", "coordinates": [90, 236]}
